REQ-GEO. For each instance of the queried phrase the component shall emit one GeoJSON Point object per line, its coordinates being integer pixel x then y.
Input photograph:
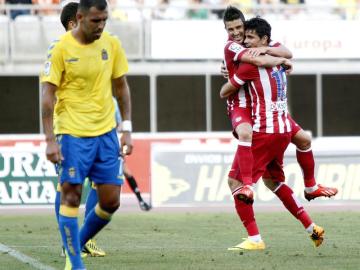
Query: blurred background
{"type": "Point", "coordinates": [175, 48]}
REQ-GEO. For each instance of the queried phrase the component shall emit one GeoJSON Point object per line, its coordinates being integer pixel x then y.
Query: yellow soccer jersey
{"type": "Point", "coordinates": [83, 75]}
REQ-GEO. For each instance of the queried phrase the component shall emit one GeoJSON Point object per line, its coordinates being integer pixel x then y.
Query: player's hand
{"type": "Point", "coordinates": [53, 153]}
{"type": "Point", "coordinates": [288, 66]}
{"type": "Point", "coordinates": [224, 71]}
{"type": "Point", "coordinates": [254, 52]}
{"type": "Point", "coordinates": [126, 143]}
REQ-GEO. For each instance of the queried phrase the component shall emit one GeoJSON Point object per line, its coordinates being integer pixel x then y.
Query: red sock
{"type": "Point", "coordinates": [287, 197]}
{"type": "Point", "coordinates": [306, 161]}
{"type": "Point", "coordinates": [245, 162]}
{"type": "Point", "coordinates": [246, 215]}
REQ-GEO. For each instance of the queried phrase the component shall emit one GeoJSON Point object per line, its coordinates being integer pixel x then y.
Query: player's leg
{"type": "Point", "coordinates": [91, 248]}
{"type": "Point", "coordinates": [91, 199]}
{"type": "Point", "coordinates": [274, 178]}
{"type": "Point", "coordinates": [242, 130]}
{"type": "Point", "coordinates": [305, 158]}
{"type": "Point", "coordinates": [57, 201]}
{"type": "Point", "coordinates": [78, 156]}
{"type": "Point", "coordinates": [57, 209]}
{"type": "Point", "coordinates": [100, 216]}
{"type": "Point", "coordinates": [245, 210]}
{"type": "Point", "coordinates": [134, 187]}
{"type": "Point", "coordinates": [246, 214]}
{"type": "Point", "coordinates": [106, 172]}
{"type": "Point", "coordinates": [286, 195]}
{"type": "Point", "coordinates": [68, 223]}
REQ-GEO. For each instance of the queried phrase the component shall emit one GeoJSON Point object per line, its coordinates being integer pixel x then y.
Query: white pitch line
{"type": "Point", "coordinates": [23, 258]}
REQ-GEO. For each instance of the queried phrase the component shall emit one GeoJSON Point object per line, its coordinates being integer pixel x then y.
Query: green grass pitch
{"type": "Point", "coordinates": [156, 241]}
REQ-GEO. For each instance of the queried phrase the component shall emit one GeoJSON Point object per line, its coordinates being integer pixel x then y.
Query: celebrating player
{"type": "Point", "coordinates": [240, 113]}
{"type": "Point", "coordinates": [271, 136]}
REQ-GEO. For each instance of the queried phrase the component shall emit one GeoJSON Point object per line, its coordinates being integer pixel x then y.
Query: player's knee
{"type": "Point", "coordinates": [303, 142]}
{"type": "Point", "coordinates": [304, 145]}
{"type": "Point", "coordinates": [270, 184]}
{"type": "Point", "coordinates": [244, 135]}
{"type": "Point", "coordinates": [71, 194]}
{"type": "Point", "coordinates": [234, 184]}
{"type": "Point", "coordinates": [71, 199]}
{"type": "Point", "coordinates": [111, 206]}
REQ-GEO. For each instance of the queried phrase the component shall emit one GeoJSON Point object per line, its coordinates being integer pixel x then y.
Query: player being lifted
{"type": "Point", "coordinates": [240, 113]}
{"type": "Point", "coordinates": [272, 133]}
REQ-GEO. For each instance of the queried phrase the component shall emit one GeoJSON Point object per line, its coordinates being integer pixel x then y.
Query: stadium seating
{"type": "Point", "coordinates": [131, 36]}
{"type": "Point", "coordinates": [4, 40]}
{"type": "Point", "coordinates": [52, 28]}
{"type": "Point", "coordinates": [27, 43]}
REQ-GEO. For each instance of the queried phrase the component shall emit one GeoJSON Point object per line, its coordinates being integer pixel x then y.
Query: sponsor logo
{"type": "Point", "coordinates": [72, 59]}
{"type": "Point", "coordinates": [278, 106]}
{"type": "Point", "coordinates": [234, 47]}
{"type": "Point", "coordinates": [169, 187]}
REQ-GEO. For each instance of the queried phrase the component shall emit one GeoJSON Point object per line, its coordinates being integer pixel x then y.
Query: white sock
{"type": "Point", "coordinates": [311, 189]}
{"type": "Point", "coordinates": [255, 238]}
{"type": "Point", "coordinates": [310, 228]}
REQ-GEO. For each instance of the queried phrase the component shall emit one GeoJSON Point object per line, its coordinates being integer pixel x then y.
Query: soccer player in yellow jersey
{"type": "Point", "coordinates": [77, 80]}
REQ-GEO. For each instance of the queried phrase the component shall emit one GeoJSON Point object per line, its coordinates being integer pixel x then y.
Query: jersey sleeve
{"type": "Point", "coordinates": [54, 65]}
{"type": "Point", "coordinates": [245, 72]}
{"type": "Point", "coordinates": [120, 65]}
{"type": "Point", "coordinates": [233, 52]}
{"type": "Point", "coordinates": [274, 44]}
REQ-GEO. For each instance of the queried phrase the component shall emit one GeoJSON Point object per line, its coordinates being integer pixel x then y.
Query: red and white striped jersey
{"type": "Point", "coordinates": [267, 88]}
{"type": "Point", "coordinates": [232, 56]}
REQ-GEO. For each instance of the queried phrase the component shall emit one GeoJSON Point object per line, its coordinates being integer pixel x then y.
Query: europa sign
{"type": "Point", "coordinates": [197, 175]}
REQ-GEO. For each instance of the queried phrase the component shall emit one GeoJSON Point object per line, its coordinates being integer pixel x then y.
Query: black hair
{"type": "Point", "coordinates": [232, 13]}
{"type": "Point", "coordinates": [260, 26]}
{"type": "Point", "coordinates": [68, 14]}
{"type": "Point", "coordinates": [85, 5]}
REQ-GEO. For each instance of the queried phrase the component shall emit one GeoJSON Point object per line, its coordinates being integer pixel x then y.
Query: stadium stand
{"type": "Point", "coordinates": [51, 28]}
{"type": "Point", "coordinates": [4, 40]}
{"type": "Point", "coordinates": [27, 39]}
{"type": "Point", "coordinates": [131, 36]}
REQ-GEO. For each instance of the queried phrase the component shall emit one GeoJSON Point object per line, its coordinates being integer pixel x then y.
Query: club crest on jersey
{"type": "Point", "coordinates": [104, 55]}
{"type": "Point", "coordinates": [72, 172]}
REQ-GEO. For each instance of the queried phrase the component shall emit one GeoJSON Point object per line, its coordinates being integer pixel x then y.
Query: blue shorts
{"type": "Point", "coordinates": [95, 157]}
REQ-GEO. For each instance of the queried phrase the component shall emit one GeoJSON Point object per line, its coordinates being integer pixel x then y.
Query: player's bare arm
{"type": "Point", "coordinates": [227, 89]}
{"type": "Point", "coordinates": [122, 94]}
{"type": "Point", "coordinates": [280, 51]}
{"type": "Point", "coordinates": [47, 111]}
{"type": "Point", "coordinates": [267, 61]}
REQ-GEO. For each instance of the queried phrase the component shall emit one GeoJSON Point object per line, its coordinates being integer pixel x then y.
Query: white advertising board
{"type": "Point", "coordinates": [196, 175]}
{"type": "Point", "coordinates": [315, 39]}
